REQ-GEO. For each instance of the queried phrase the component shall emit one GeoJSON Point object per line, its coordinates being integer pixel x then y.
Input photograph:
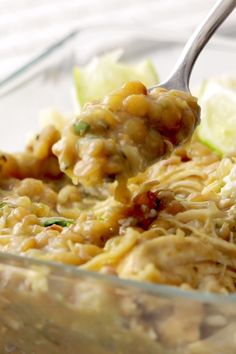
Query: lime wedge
{"type": "Point", "coordinates": [217, 129]}
{"type": "Point", "coordinates": [105, 74]}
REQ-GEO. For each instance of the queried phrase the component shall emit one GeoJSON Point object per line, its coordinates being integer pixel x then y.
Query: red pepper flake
{"type": "Point", "coordinates": [144, 207]}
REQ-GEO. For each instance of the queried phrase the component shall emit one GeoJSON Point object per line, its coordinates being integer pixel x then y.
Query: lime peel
{"type": "Point", "coordinates": [217, 130]}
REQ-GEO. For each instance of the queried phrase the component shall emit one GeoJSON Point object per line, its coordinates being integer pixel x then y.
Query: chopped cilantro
{"type": "Point", "coordinates": [81, 128]}
{"type": "Point", "coordinates": [3, 204]}
{"type": "Point", "coordinates": [56, 221]}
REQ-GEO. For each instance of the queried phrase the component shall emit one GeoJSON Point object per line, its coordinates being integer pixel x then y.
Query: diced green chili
{"type": "Point", "coordinates": [81, 128]}
{"type": "Point", "coordinates": [56, 221]}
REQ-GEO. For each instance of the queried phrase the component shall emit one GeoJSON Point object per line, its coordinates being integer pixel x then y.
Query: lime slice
{"type": "Point", "coordinates": [217, 129]}
{"type": "Point", "coordinates": [105, 74]}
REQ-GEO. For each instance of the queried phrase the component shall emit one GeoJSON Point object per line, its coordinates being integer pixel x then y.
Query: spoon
{"type": "Point", "coordinates": [179, 78]}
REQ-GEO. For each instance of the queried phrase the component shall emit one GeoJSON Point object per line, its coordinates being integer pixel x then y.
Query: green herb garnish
{"type": "Point", "coordinates": [3, 204]}
{"type": "Point", "coordinates": [56, 221]}
{"type": "Point", "coordinates": [81, 128]}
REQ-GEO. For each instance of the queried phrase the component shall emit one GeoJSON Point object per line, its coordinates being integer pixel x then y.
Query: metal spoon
{"type": "Point", "coordinates": [179, 78]}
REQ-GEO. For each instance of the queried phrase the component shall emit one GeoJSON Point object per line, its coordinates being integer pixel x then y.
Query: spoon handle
{"type": "Point", "coordinates": [179, 77]}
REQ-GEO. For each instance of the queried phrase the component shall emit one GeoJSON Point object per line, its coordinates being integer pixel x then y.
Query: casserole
{"type": "Point", "coordinates": [51, 308]}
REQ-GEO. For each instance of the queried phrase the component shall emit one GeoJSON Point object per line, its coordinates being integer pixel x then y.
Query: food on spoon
{"type": "Point", "coordinates": [125, 132]}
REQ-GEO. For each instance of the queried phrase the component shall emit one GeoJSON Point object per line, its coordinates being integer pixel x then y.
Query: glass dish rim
{"type": "Point", "coordinates": [27, 71]}
{"type": "Point", "coordinates": [73, 272]}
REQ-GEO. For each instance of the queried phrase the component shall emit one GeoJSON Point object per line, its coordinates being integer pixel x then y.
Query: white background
{"type": "Point", "coordinates": [28, 26]}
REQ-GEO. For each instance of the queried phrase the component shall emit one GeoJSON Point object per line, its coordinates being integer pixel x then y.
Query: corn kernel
{"type": "Point", "coordinates": [132, 88]}
{"type": "Point", "coordinates": [114, 101]}
{"type": "Point", "coordinates": [136, 105]}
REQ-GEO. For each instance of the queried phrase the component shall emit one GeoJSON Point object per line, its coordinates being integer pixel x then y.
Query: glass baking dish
{"type": "Point", "coordinates": [51, 308]}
